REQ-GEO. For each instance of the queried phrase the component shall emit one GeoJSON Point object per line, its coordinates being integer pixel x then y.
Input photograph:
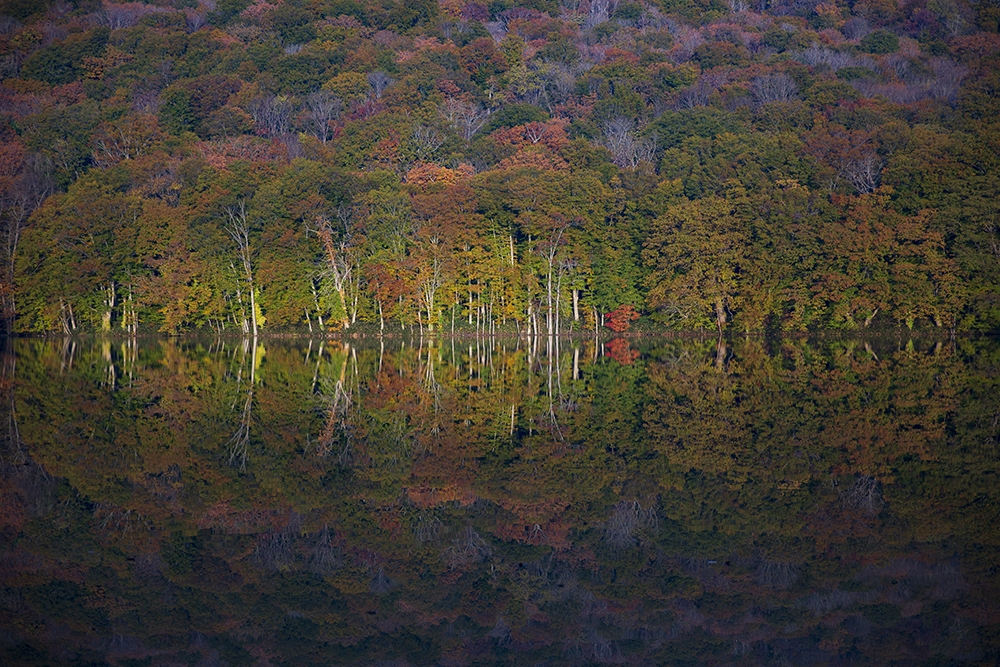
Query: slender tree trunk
{"type": "Point", "coordinates": [239, 231]}
{"type": "Point", "coordinates": [253, 311]}
{"type": "Point", "coordinates": [548, 300]}
{"type": "Point", "coordinates": [109, 303]}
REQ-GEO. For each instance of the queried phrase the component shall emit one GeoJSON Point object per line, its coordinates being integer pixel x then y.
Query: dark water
{"type": "Point", "coordinates": [800, 502]}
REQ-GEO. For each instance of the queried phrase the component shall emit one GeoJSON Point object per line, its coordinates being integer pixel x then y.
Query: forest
{"type": "Point", "coordinates": [503, 166]}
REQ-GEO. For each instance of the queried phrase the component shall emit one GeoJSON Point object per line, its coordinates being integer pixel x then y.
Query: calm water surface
{"type": "Point", "coordinates": [750, 502]}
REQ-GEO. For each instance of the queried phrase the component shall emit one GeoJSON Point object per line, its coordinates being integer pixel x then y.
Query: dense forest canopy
{"type": "Point", "coordinates": [334, 164]}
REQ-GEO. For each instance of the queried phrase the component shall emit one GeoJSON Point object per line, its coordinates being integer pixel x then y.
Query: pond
{"type": "Point", "coordinates": [805, 501]}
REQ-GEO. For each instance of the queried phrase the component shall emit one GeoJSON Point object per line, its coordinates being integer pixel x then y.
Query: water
{"type": "Point", "coordinates": [463, 502]}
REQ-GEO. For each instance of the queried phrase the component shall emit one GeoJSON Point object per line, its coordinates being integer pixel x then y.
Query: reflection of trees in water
{"type": "Point", "coordinates": [326, 557]}
{"type": "Point", "coordinates": [127, 522]}
{"type": "Point", "coordinates": [823, 603]}
{"type": "Point", "coordinates": [903, 577]}
{"type": "Point", "coordinates": [32, 490]}
{"type": "Point", "coordinates": [627, 518]}
{"type": "Point", "coordinates": [780, 575]}
{"type": "Point", "coordinates": [335, 396]}
{"type": "Point", "coordinates": [273, 551]}
{"type": "Point", "coordinates": [427, 528]}
{"type": "Point", "coordinates": [289, 548]}
{"type": "Point", "coordinates": [377, 432]}
{"type": "Point", "coordinates": [238, 445]}
{"type": "Point", "coordinates": [380, 583]}
{"type": "Point", "coordinates": [865, 495]}
{"type": "Point", "coordinates": [469, 547]}
{"type": "Point", "coordinates": [500, 632]}
{"type": "Point", "coordinates": [239, 442]}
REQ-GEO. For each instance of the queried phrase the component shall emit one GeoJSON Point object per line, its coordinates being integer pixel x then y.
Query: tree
{"type": "Point", "coordinates": [25, 182]}
{"type": "Point", "coordinates": [467, 117]}
{"type": "Point", "coordinates": [238, 228]}
{"type": "Point", "coordinates": [620, 319]}
{"type": "Point", "coordinates": [322, 108]}
{"type": "Point", "coordinates": [696, 252]}
{"type": "Point", "coordinates": [880, 41]}
{"type": "Point", "coordinates": [628, 151]}
{"type": "Point", "coordinates": [340, 267]}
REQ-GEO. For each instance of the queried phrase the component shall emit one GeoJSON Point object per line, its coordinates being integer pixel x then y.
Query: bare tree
{"type": "Point", "coordinates": [379, 81]}
{"type": "Point", "coordinates": [864, 172]}
{"type": "Point", "coordinates": [600, 10]}
{"type": "Point", "coordinates": [856, 28]}
{"type": "Point", "coordinates": [819, 55]}
{"type": "Point", "coordinates": [272, 115]}
{"type": "Point", "coordinates": [549, 248]}
{"type": "Point", "coordinates": [701, 92]}
{"type": "Point", "coordinates": [469, 547]}
{"type": "Point", "coordinates": [426, 141]}
{"type": "Point", "coordinates": [322, 108]}
{"type": "Point", "coordinates": [865, 494]}
{"type": "Point", "coordinates": [431, 277]}
{"type": "Point", "coordinates": [340, 268]}
{"type": "Point", "coordinates": [238, 229]}
{"type": "Point", "coordinates": [627, 149]}
{"type": "Point", "coordinates": [774, 88]}
{"type": "Point", "coordinates": [948, 76]}
{"type": "Point", "coordinates": [467, 117]}
{"type": "Point", "coordinates": [194, 18]}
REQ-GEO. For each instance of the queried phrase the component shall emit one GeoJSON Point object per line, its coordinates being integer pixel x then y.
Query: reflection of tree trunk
{"type": "Point", "coordinates": [13, 434]}
{"type": "Point", "coordinates": [109, 360]}
{"type": "Point", "coordinates": [553, 355]}
{"type": "Point", "coordinates": [68, 353]}
{"type": "Point", "coordinates": [240, 441]}
{"type": "Point", "coordinates": [720, 355]}
{"type": "Point", "coordinates": [340, 401]}
{"type": "Point", "coordinates": [865, 495]}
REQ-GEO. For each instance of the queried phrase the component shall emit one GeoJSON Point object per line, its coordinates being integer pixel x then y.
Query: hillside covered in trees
{"type": "Point", "coordinates": [330, 164]}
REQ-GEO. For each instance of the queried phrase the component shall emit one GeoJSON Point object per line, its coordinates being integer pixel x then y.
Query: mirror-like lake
{"type": "Point", "coordinates": [463, 502]}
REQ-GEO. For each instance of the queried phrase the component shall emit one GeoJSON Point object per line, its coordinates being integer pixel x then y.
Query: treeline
{"type": "Point", "coordinates": [471, 166]}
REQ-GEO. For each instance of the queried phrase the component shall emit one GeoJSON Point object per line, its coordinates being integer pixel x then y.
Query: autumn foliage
{"type": "Point", "coordinates": [621, 318]}
{"type": "Point", "coordinates": [736, 170]}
